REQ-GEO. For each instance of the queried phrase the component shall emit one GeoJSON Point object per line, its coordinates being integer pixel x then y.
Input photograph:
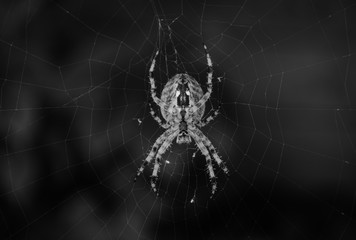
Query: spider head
{"type": "Point", "coordinates": [183, 136]}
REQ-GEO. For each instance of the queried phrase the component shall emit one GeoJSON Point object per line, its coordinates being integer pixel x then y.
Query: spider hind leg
{"type": "Point", "coordinates": [209, 83]}
{"type": "Point", "coordinates": [152, 81]}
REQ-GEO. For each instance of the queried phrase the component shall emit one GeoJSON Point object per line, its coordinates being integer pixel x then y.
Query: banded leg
{"type": "Point", "coordinates": [152, 81]}
{"type": "Point", "coordinates": [213, 152]}
{"type": "Point", "coordinates": [157, 118]}
{"type": "Point", "coordinates": [154, 177]}
{"type": "Point", "coordinates": [206, 96]}
{"type": "Point", "coordinates": [210, 66]}
{"type": "Point", "coordinates": [209, 164]}
{"type": "Point", "coordinates": [153, 152]}
{"type": "Point", "coordinates": [207, 120]}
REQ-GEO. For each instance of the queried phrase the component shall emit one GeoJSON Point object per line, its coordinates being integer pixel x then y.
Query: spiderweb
{"type": "Point", "coordinates": [75, 122]}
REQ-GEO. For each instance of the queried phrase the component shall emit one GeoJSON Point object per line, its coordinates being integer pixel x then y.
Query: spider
{"type": "Point", "coordinates": [182, 106]}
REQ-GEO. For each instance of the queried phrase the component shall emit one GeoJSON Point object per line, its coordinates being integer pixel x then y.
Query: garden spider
{"type": "Point", "coordinates": [182, 106]}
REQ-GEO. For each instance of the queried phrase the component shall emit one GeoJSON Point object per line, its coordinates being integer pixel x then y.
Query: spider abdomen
{"type": "Point", "coordinates": [181, 82]}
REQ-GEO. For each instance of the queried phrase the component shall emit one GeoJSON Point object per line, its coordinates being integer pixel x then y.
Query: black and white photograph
{"type": "Point", "coordinates": [177, 119]}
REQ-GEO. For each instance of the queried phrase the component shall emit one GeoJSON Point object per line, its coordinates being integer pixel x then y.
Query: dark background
{"type": "Point", "coordinates": [75, 122]}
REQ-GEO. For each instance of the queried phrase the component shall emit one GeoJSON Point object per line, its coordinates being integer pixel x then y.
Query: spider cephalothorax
{"type": "Point", "coordinates": [182, 106]}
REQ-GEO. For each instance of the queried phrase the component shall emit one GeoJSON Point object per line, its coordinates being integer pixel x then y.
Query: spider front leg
{"type": "Point", "coordinates": [158, 158]}
{"type": "Point", "coordinates": [212, 150]}
{"type": "Point", "coordinates": [209, 164]}
{"type": "Point", "coordinates": [153, 152]}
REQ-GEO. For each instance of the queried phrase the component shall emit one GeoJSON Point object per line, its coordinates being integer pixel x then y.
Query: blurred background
{"type": "Point", "coordinates": [75, 122]}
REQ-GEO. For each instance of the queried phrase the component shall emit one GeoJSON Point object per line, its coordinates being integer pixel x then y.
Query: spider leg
{"type": "Point", "coordinates": [206, 96]}
{"type": "Point", "coordinates": [212, 150]}
{"type": "Point", "coordinates": [210, 73]}
{"type": "Point", "coordinates": [207, 120]}
{"type": "Point", "coordinates": [152, 81]}
{"type": "Point", "coordinates": [153, 152]}
{"type": "Point", "coordinates": [209, 164]}
{"type": "Point", "coordinates": [158, 158]}
{"type": "Point", "coordinates": [158, 120]}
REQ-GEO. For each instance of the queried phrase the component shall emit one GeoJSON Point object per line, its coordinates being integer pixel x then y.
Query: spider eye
{"type": "Point", "coordinates": [177, 93]}
{"type": "Point", "coordinates": [187, 92]}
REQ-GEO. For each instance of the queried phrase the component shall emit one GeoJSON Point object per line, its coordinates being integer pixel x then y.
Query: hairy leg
{"type": "Point", "coordinates": [153, 152]}
{"type": "Point", "coordinates": [167, 143]}
{"type": "Point", "coordinates": [206, 96]}
{"type": "Point", "coordinates": [212, 150]}
{"type": "Point", "coordinates": [152, 81]}
{"type": "Point", "coordinates": [205, 152]}
{"type": "Point", "coordinates": [157, 118]}
{"type": "Point", "coordinates": [207, 120]}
